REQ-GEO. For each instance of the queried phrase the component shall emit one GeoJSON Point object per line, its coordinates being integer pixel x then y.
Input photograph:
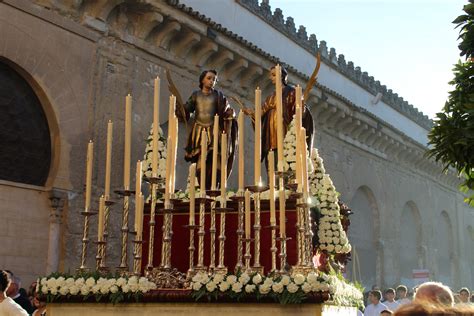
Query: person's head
{"type": "Point", "coordinates": [14, 287]}
{"type": "Point", "coordinates": [402, 291]}
{"type": "Point", "coordinates": [390, 294]}
{"type": "Point", "coordinates": [208, 79]}
{"type": "Point", "coordinates": [375, 296]}
{"type": "Point", "coordinates": [464, 295]}
{"type": "Point", "coordinates": [434, 292]}
{"type": "Point", "coordinates": [284, 75]}
{"type": "Point", "coordinates": [4, 281]}
{"type": "Point", "coordinates": [386, 312]}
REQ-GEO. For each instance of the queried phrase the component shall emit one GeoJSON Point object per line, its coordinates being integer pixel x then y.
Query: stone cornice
{"type": "Point", "coordinates": [337, 62]}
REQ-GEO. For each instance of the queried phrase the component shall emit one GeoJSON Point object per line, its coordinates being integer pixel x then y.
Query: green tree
{"type": "Point", "coordinates": [452, 137]}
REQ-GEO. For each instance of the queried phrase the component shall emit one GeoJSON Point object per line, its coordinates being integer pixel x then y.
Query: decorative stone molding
{"type": "Point", "coordinates": [57, 199]}
{"type": "Point", "coordinates": [288, 29]}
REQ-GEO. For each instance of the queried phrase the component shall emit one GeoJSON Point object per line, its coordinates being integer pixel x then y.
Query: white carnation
{"type": "Point", "coordinates": [277, 287]}
{"type": "Point", "coordinates": [257, 279]}
{"type": "Point", "coordinates": [211, 286]}
{"type": "Point", "coordinates": [250, 288]}
{"type": "Point", "coordinates": [292, 287]}
{"type": "Point", "coordinates": [299, 279]}
{"type": "Point", "coordinates": [224, 286]}
{"type": "Point", "coordinates": [237, 287]}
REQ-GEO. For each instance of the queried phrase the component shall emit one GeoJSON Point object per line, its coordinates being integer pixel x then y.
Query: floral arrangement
{"type": "Point", "coordinates": [115, 289]}
{"type": "Point", "coordinates": [147, 159]}
{"type": "Point", "coordinates": [332, 236]}
{"type": "Point", "coordinates": [282, 288]}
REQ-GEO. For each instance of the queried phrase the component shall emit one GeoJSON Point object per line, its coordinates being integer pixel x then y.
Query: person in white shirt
{"type": "Point", "coordinates": [464, 296]}
{"type": "Point", "coordinates": [390, 299]}
{"type": "Point", "coordinates": [375, 308]}
{"type": "Point", "coordinates": [402, 295]}
{"type": "Point", "coordinates": [8, 307]}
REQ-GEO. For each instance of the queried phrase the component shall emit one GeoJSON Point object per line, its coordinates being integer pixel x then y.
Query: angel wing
{"type": "Point", "coordinates": [314, 76]}
{"type": "Point", "coordinates": [179, 100]}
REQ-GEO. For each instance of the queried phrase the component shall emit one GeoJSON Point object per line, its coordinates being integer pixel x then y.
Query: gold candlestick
{"type": "Point", "coordinates": [257, 189]}
{"type": "Point", "coordinates": [202, 209]}
{"type": "Point", "coordinates": [247, 255]}
{"type": "Point", "coordinates": [240, 229]}
{"type": "Point", "coordinates": [125, 215]}
{"type": "Point", "coordinates": [137, 255]}
{"type": "Point", "coordinates": [108, 204]}
{"type": "Point", "coordinates": [212, 229]}
{"type": "Point", "coordinates": [191, 249]}
{"type": "Point", "coordinates": [85, 239]}
{"type": "Point", "coordinates": [153, 181]}
{"type": "Point", "coordinates": [167, 235]}
{"type": "Point", "coordinates": [274, 248]}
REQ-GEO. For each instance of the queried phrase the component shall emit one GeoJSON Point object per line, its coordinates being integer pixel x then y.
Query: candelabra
{"type": "Point", "coordinates": [153, 181]}
{"type": "Point", "coordinates": [191, 249]}
{"type": "Point", "coordinates": [202, 210]}
{"type": "Point", "coordinates": [125, 214]}
{"type": "Point", "coordinates": [137, 255]}
{"type": "Point", "coordinates": [240, 228]}
{"type": "Point", "coordinates": [257, 189]}
{"type": "Point", "coordinates": [102, 244]}
{"type": "Point", "coordinates": [212, 228]}
{"type": "Point", "coordinates": [85, 238]}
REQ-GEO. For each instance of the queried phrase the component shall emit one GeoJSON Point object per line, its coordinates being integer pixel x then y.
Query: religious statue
{"type": "Point", "coordinates": [269, 115]}
{"type": "Point", "coordinates": [203, 105]}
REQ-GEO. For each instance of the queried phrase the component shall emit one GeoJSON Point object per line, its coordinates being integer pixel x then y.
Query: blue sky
{"type": "Point", "coordinates": [408, 45]}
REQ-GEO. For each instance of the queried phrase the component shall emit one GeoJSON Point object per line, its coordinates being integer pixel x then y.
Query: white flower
{"type": "Point", "coordinates": [330, 248]}
{"type": "Point", "coordinates": [90, 282]}
{"type": "Point", "coordinates": [121, 281]}
{"type": "Point", "coordinates": [292, 287]}
{"type": "Point", "coordinates": [44, 281]}
{"type": "Point", "coordinates": [268, 282]}
{"type": "Point", "coordinates": [54, 291]}
{"type": "Point", "coordinates": [277, 287]}
{"type": "Point", "coordinates": [74, 290]}
{"type": "Point", "coordinates": [249, 288]}
{"type": "Point", "coordinates": [237, 287]}
{"type": "Point", "coordinates": [80, 282]}
{"type": "Point", "coordinates": [264, 289]}
{"type": "Point", "coordinates": [211, 286]}
{"type": "Point", "coordinates": [126, 288]}
{"type": "Point", "coordinates": [285, 280]}
{"type": "Point", "coordinates": [85, 290]}
{"type": "Point", "coordinates": [44, 289]}
{"type": "Point", "coordinates": [257, 278]}
{"type": "Point", "coordinates": [224, 286]}
{"type": "Point", "coordinates": [299, 279]}
{"type": "Point", "coordinates": [63, 290]}
{"type": "Point", "coordinates": [113, 289]}
{"type": "Point", "coordinates": [218, 278]}
{"type": "Point", "coordinates": [306, 287]}
{"type": "Point", "coordinates": [197, 286]}
{"type": "Point", "coordinates": [231, 279]}
{"type": "Point", "coordinates": [312, 278]}
{"type": "Point", "coordinates": [244, 278]}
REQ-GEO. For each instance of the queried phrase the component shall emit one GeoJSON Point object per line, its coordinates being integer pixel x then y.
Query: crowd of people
{"type": "Point", "coordinates": [15, 300]}
{"type": "Point", "coordinates": [430, 298]}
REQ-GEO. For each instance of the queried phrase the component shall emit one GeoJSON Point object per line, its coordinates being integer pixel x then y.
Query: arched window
{"type": "Point", "coordinates": [410, 243]}
{"type": "Point", "coordinates": [25, 141]}
{"type": "Point", "coordinates": [363, 236]}
{"type": "Point", "coordinates": [444, 249]}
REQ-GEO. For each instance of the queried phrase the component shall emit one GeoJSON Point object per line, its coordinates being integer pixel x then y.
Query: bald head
{"type": "Point", "coordinates": [434, 292]}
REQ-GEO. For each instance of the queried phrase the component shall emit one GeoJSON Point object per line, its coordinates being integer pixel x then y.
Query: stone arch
{"type": "Point", "coordinates": [411, 254]}
{"type": "Point", "coordinates": [50, 120]}
{"type": "Point", "coordinates": [44, 70]}
{"type": "Point", "coordinates": [444, 250]}
{"type": "Point", "coordinates": [364, 234]}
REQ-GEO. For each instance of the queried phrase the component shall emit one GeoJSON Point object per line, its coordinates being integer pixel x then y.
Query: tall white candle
{"type": "Point", "coordinates": [203, 162]}
{"type": "Point", "coordinates": [128, 142]}
{"type": "Point", "coordinates": [101, 219]}
{"type": "Point", "coordinates": [271, 183]}
{"type": "Point", "coordinates": [108, 159]}
{"type": "Point", "coordinates": [156, 124]}
{"type": "Point", "coordinates": [192, 194]}
{"type": "Point", "coordinates": [247, 214]}
{"type": "Point", "coordinates": [138, 182]}
{"type": "Point", "coordinates": [258, 138]}
{"type": "Point", "coordinates": [223, 169]}
{"type": "Point", "coordinates": [241, 151]}
{"type": "Point", "coordinates": [90, 159]}
{"type": "Point", "coordinates": [139, 216]}
{"type": "Point", "coordinates": [215, 149]}
{"type": "Point", "coordinates": [279, 106]}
